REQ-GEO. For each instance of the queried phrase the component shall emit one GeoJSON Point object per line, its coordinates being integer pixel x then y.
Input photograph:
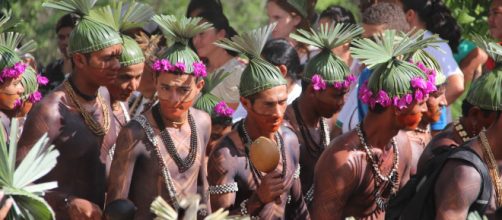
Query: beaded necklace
{"type": "Point", "coordinates": [380, 179]}
{"type": "Point", "coordinates": [315, 149]}
{"type": "Point", "coordinates": [95, 127]}
{"type": "Point", "coordinates": [492, 166]}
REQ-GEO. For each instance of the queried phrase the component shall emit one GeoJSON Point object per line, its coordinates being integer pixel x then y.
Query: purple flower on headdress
{"type": "Point", "coordinates": [338, 85]}
{"type": "Point", "coordinates": [383, 99]}
{"type": "Point", "coordinates": [179, 66]}
{"type": "Point", "coordinates": [14, 71]}
{"type": "Point", "coordinates": [419, 95]}
{"type": "Point", "coordinates": [422, 67]}
{"type": "Point", "coordinates": [365, 93]}
{"type": "Point", "coordinates": [161, 65]}
{"type": "Point", "coordinates": [199, 69]}
{"type": "Point", "coordinates": [431, 87]}
{"type": "Point", "coordinates": [42, 80]}
{"type": "Point", "coordinates": [18, 103]}
{"type": "Point", "coordinates": [350, 78]}
{"type": "Point", "coordinates": [318, 83]}
{"type": "Point", "coordinates": [418, 83]}
{"type": "Point", "coordinates": [222, 110]}
{"type": "Point", "coordinates": [35, 97]}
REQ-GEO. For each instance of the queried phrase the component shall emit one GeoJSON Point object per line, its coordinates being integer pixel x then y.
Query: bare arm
{"type": "Point", "coordinates": [124, 159]}
{"type": "Point", "coordinates": [334, 181]}
{"type": "Point", "coordinates": [470, 64]}
{"type": "Point", "coordinates": [456, 189]}
{"type": "Point", "coordinates": [298, 205]}
{"type": "Point", "coordinates": [43, 118]}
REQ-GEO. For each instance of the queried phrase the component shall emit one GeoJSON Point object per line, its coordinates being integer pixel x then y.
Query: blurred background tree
{"type": "Point", "coordinates": [39, 23]}
{"type": "Point", "coordinates": [244, 15]}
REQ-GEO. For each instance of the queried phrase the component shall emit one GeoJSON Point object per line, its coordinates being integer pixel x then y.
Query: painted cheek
{"type": "Point", "coordinates": [410, 121]}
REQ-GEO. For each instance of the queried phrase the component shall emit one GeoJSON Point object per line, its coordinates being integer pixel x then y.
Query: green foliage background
{"type": "Point", "coordinates": [243, 15]}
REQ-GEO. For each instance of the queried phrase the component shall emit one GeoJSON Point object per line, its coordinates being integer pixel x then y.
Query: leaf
{"type": "Point", "coordinates": [82, 7]}
{"type": "Point", "coordinates": [249, 43]}
{"type": "Point", "coordinates": [123, 16]}
{"type": "Point", "coordinates": [6, 21]}
{"type": "Point", "coordinates": [29, 206]}
{"type": "Point", "coordinates": [464, 17]}
{"type": "Point", "coordinates": [328, 36]}
{"type": "Point", "coordinates": [493, 49]}
{"type": "Point", "coordinates": [214, 79]}
{"type": "Point", "coordinates": [163, 210]}
{"type": "Point", "coordinates": [12, 40]}
{"type": "Point", "coordinates": [180, 30]}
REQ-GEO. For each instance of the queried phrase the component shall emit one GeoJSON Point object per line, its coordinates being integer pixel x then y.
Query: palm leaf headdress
{"type": "Point", "coordinates": [327, 65]}
{"type": "Point", "coordinates": [395, 80]}
{"type": "Point", "coordinates": [259, 75]}
{"type": "Point", "coordinates": [123, 16]}
{"type": "Point", "coordinates": [180, 57]}
{"type": "Point", "coordinates": [18, 183]}
{"type": "Point", "coordinates": [88, 35]}
{"type": "Point", "coordinates": [486, 92]}
{"type": "Point", "coordinates": [208, 102]}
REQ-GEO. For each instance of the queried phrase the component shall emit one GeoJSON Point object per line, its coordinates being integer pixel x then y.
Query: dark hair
{"type": "Point", "coordinates": [280, 52]}
{"type": "Point", "coordinates": [437, 18]}
{"type": "Point", "coordinates": [194, 5]}
{"type": "Point", "coordinates": [386, 13]}
{"type": "Point", "coordinates": [304, 23]}
{"type": "Point", "coordinates": [220, 22]}
{"type": "Point", "coordinates": [68, 20]}
{"type": "Point", "coordinates": [338, 14]}
{"type": "Point", "coordinates": [466, 107]}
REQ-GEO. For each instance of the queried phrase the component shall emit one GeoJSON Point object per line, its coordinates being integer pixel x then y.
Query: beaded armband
{"type": "Point", "coordinates": [223, 189]}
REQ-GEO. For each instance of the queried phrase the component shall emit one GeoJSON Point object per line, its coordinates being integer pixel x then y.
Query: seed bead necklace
{"type": "Point", "coordinates": [95, 126]}
{"type": "Point", "coordinates": [492, 166]}
{"type": "Point", "coordinates": [315, 149]}
{"type": "Point", "coordinates": [392, 177]}
{"type": "Point", "coordinates": [183, 164]}
{"type": "Point", "coordinates": [460, 131]}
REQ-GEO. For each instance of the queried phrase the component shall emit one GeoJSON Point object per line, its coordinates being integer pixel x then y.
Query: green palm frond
{"type": "Point", "coordinates": [328, 36]}
{"type": "Point", "coordinates": [18, 183]}
{"type": "Point", "coordinates": [213, 80]}
{"type": "Point", "coordinates": [6, 21]}
{"type": "Point", "coordinates": [122, 16]}
{"type": "Point", "coordinates": [12, 40]}
{"type": "Point", "coordinates": [164, 211]}
{"type": "Point", "coordinates": [182, 29]}
{"type": "Point", "coordinates": [81, 7]}
{"type": "Point", "coordinates": [391, 45]}
{"type": "Point", "coordinates": [493, 49]}
{"type": "Point", "coordinates": [250, 43]}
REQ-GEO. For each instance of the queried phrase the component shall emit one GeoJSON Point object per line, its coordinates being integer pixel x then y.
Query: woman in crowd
{"type": "Point", "coordinates": [217, 58]}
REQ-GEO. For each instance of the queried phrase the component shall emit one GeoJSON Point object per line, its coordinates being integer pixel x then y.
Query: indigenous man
{"type": "Point", "coordinates": [132, 60]}
{"type": "Point", "coordinates": [220, 112]}
{"type": "Point", "coordinates": [78, 119]}
{"type": "Point", "coordinates": [476, 116]}
{"type": "Point", "coordinates": [459, 186]}
{"type": "Point", "coordinates": [235, 182]}
{"type": "Point", "coordinates": [324, 83]}
{"type": "Point", "coordinates": [162, 151]}
{"type": "Point", "coordinates": [421, 135]}
{"type": "Point", "coordinates": [361, 169]}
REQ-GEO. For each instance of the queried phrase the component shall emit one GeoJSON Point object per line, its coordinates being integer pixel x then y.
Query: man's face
{"type": "Point", "coordinates": [286, 23]}
{"type": "Point", "coordinates": [217, 132]}
{"type": "Point", "coordinates": [63, 38]}
{"type": "Point", "coordinates": [495, 19]}
{"type": "Point", "coordinates": [435, 104]}
{"type": "Point", "coordinates": [372, 29]}
{"type": "Point", "coordinates": [329, 101]}
{"type": "Point", "coordinates": [268, 108]}
{"type": "Point", "coordinates": [10, 91]}
{"type": "Point", "coordinates": [176, 93]}
{"type": "Point", "coordinates": [410, 118]}
{"type": "Point", "coordinates": [100, 67]}
{"type": "Point", "coordinates": [127, 82]}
